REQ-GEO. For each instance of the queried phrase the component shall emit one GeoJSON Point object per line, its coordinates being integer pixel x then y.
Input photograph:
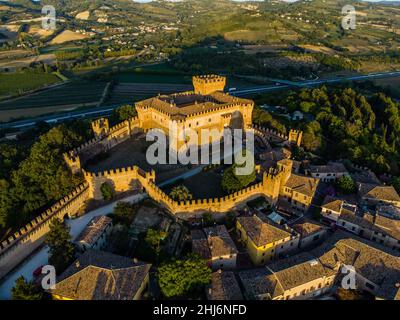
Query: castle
{"type": "Point", "coordinates": [207, 107]}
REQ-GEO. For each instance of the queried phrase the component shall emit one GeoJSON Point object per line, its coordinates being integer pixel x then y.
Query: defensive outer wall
{"type": "Point", "coordinates": [24, 241]}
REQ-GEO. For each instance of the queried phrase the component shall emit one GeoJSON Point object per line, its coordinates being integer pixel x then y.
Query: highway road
{"type": "Point", "coordinates": [106, 110]}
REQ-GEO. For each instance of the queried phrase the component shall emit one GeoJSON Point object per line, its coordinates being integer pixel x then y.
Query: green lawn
{"type": "Point", "coordinates": [14, 83]}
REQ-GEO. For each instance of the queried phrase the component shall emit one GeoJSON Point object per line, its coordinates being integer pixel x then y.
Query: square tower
{"type": "Point", "coordinates": [207, 84]}
{"type": "Point", "coordinates": [100, 127]}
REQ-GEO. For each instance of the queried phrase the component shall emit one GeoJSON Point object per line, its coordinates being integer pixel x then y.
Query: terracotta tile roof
{"type": "Point", "coordinates": [372, 261]}
{"type": "Point", "coordinates": [283, 275]}
{"type": "Point", "coordinates": [332, 204]}
{"type": "Point", "coordinates": [302, 184]}
{"type": "Point", "coordinates": [219, 241]}
{"type": "Point", "coordinates": [213, 242]}
{"type": "Point", "coordinates": [331, 167]}
{"type": "Point", "coordinates": [376, 192]}
{"type": "Point", "coordinates": [189, 103]}
{"type": "Point", "coordinates": [94, 230]}
{"type": "Point", "coordinates": [388, 226]}
{"type": "Point", "coordinates": [351, 217]}
{"type": "Point", "coordinates": [200, 244]}
{"type": "Point", "coordinates": [224, 287]}
{"type": "Point", "coordinates": [98, 275]}
{"type": "Point", "coordinates": [260, 232]}
{"type": "Point", "coordinates": [306, 228]}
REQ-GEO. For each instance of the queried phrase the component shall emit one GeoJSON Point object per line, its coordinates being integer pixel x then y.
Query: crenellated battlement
{"type": "Point", "coordinates": [28, 238]}
{"type": "Point", "coordinates": [100, 127]}
{"type": "Point", "coordinates": [207, 84]}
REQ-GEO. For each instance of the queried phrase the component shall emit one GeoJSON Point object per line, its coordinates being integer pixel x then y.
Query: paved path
{"type": "Point", "coordinates": [40, 257]}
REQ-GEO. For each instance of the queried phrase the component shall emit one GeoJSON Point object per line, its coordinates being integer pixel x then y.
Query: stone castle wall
{"type": "Point", "coordinates": [121, 180]}
{"type": "Point", "coordinates": [18, 246]}
{"type": "Point", "coordinates": [133, 177]}
{"type": "Point", "coordinates": [23, 242]}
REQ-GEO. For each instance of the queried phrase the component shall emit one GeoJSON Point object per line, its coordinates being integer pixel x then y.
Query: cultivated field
{"type": "Point", "coordinates": [84, 15]}
{"type": "Point", "coordinates": [38, 31]}
{"type": "Point", "coordinates": [129, 92]}
{"type": "Point", "coordinates": [62, 98]}
{"type": "Point", "coordinates": [17, 63]}
{"type": "Point", "coordinates": [11, 84]}
{"type": "Point", "coordinates": [66, 36]}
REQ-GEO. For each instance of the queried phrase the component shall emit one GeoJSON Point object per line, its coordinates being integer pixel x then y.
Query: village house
{"type": "Point", "coordinates": [373, 194]}
{"type": "Point", "coordinates": [299, 191]}
{"type": "Point", "coordinates": [311, 233]}
{"type": "Point", "coordinates": [95, 234]}
{"type": "Point", "coordinates": [297, 278]}
{"type": "Point", "coordinates": [99, 275]}
{"type": "Point", "coordinates": [224, 286]}
{"type": "Point", "coordinates": [215, 245]}
{"type": "Point", "coordinates": [379, 228]}
{"type": "Point", "coordinates": [332, 208]}
{"type": "Point", "coordinates": [329, 172]}
{"type": "Point", "coordinates": [265, 241]}
{"type": "Point", "coordinates": [376, 267]}
{"type": "Point", "coordinates": [311, 274]}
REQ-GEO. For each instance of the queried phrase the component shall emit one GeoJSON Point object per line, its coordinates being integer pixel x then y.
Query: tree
{"type": "Point", "coordinates": [346, 185]}
{"type": "Point", "coordinates": [107, 191]}
{"type": "Point", "coordinates": [61, 252]}
{"type": "Point", "coordinates": [24, 290]}
{"type": "Point", "coordinates": [34, 185]}
{"type": "Point", "coordinates": [123, 213]}
{"type": "Point", "coordinates": [396, 183]}
{"type": "Point", "coordinates": [125, 112]}
{"type": "Point", "coordinates": [231, 182]}
{"type": "Point", "coordinates": [150, 249]}
{"type": "Point", "coordinates": [180, 193]}
{"type": "Point", "coordinates": [207, 218]}
{"type": "Point", "coordinates": [179, 278]}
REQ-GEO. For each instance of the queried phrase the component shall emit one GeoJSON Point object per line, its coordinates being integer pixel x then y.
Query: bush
{"type": "Point", "coordinates": [24, 290]}
{"type": "Point", "coordinates": [346, 185]}
{"type": "Point", "coordinates": [232, 182]}
{"type": "Point", "coordinates": [123, 213]}
{"type": "Point", "coordinates": [107, 191]}
{"type": "Point", "coordinates": [180, 193]}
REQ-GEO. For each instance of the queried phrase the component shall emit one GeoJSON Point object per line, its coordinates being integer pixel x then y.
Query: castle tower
{"type": "Point", "coordinates": [285, 167]}
{"type": "Point", "coordinates": [100, 127]}
{"type": "Point", "coordinates": [73, 161]}
{"type": "Point", "coordinates": [271, 184]}
{"type": "Point", "coordinates": [295, 136]}
{"type": "Point", "coordinates": [208, 84]}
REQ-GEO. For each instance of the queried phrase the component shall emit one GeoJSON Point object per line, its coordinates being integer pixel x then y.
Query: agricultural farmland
{"type": "Point", "coordinates": [62, 98]}
{"type": "Point", "coordinates": [14, 83]}
{"type": "Point", "coordinates": [129, 92]}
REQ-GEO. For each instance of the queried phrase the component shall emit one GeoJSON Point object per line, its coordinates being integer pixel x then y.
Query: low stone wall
{"type": "Point", "coordinates": [23, 242]}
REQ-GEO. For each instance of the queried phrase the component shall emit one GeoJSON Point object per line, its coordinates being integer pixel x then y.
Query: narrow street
{"type": "Point", "coordinates": [40, 257]}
